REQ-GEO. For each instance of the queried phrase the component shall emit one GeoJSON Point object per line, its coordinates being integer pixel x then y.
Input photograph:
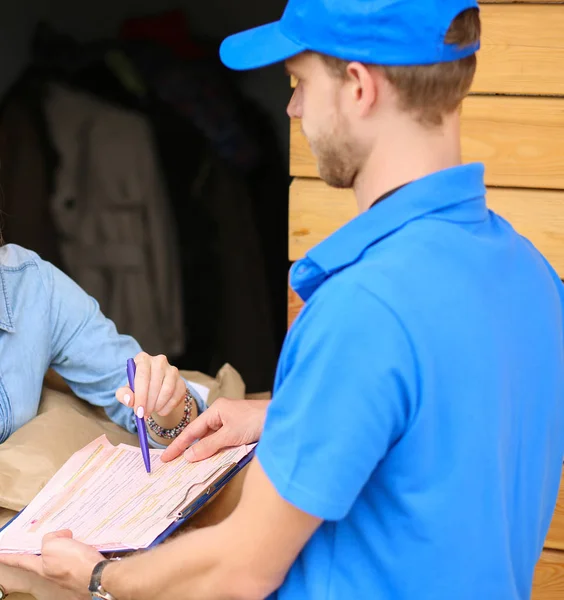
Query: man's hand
{"type": "Point", "coordinates": [226, 423]}
{"type": "Point", "coordinates": [158, 387]}
{"type": "Point", "coordinates": [63, 561]}
{"type": "Point", "coordinates": [15, 580]}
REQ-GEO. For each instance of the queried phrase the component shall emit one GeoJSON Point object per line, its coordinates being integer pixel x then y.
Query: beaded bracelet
{"type": "Point", "coordinates": [170, 434]}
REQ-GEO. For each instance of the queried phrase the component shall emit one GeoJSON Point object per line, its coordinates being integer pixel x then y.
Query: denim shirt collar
{"type": "Point", "coordinates": [6, 316]}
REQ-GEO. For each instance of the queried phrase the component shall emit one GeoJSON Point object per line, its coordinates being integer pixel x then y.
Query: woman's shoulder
{"type": "Point", "coordinates": [22, 272]}
{"type": "Point", "coordinates": [24, 287]}
{"type": "Point", "coordinates": [16, 258]}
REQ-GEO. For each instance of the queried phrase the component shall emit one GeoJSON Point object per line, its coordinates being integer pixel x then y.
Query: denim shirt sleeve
{"type": "Point", "coordinates": [86, 349]}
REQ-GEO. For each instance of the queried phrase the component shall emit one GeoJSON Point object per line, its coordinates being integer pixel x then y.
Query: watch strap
{"type": "Point", "coordinates": [95, 588]}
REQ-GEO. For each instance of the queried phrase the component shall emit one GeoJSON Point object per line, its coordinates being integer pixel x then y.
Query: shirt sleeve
{"type": "Point", "coordinates": [86, 349]}
{"type": "Point", "coordinates": [347, 386]}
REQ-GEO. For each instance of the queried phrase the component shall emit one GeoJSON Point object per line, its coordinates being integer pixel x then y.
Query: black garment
{"type": "Point", "coordinates": [28, 161]}
{"type": "Point", "coordinates": [387, 195]}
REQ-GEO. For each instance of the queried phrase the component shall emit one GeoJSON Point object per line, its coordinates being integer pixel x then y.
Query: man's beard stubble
{"type": "Point", "coordinates": [337, 161]}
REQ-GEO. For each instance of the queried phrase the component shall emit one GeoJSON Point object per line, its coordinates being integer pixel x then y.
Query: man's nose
{"type": "Point", "coordinates": [294, 108]}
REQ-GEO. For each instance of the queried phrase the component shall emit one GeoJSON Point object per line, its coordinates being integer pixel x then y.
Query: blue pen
{"type": "Point", "coordinates": [141, 429]}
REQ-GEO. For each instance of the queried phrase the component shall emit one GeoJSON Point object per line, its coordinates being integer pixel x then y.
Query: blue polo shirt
{"type": "Point", "coordinates": [419, 402]}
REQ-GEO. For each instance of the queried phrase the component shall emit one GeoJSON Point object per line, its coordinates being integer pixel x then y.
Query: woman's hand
{"type": "Point", "coordinates": [63, 561]}
{"type": "Point", "coordinates": [226, 423]}
{"type": "Point", "coordinates": [158, 387]}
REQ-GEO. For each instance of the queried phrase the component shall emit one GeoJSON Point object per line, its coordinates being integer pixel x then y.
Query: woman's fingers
{"type": "Point", "coordinates": [172, 393]}
{"type": "Point", "coordinates": [142, 382]}
{"type": "Point", "coordinates": [159, 369]}
{"type": "Point", "coordinates": [158, 387]}
{"type": "Point", "coordinates": [125, 396]}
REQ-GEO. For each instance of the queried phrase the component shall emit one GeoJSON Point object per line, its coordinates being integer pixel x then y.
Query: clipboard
{"type": "Point", "coordinates": [186, 512]}
{"type": "Point", "coordinates": [182, 512]}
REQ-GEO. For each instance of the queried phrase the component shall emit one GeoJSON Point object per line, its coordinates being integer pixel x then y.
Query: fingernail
{"type": "Point", "coordinates": [127, 399]}
{"type": "Point", "coordinates": [189, 454]}
{"type": "Point", "coordinates": [140, 412]}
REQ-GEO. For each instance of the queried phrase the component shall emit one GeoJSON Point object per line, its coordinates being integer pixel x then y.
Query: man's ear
{"type": "Point", "coordinates": [363, 85]}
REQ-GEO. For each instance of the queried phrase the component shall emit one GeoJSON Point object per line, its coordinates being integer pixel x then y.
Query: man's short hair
{"type": "Point", "coordinates": [431, 91]}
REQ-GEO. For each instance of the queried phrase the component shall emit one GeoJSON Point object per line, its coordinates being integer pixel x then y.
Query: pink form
{"type": "Point", "coordinates": [106, 498]}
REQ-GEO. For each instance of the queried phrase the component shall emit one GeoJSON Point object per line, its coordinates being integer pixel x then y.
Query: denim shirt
{"type": "Point", "coordinates": [46, 320]}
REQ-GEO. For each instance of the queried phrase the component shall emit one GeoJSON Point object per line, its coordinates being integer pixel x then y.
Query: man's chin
{"type": "Point", "coordinates": [337, 185]}
{"type": "Point", "coordinates": [340, 183]}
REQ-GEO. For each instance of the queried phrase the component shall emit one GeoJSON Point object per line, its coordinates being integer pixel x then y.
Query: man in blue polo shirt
{"type": "Point", "coordinates": [414, 445]}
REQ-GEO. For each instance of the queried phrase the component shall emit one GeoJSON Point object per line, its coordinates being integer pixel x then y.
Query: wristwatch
{"type": "Point", "coordinates": [3, 593]}
{"type": "Point", "coordinates": [95, 588]}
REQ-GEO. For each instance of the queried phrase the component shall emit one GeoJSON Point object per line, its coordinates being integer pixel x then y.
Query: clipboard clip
{"type": "Point", "coordinates": [180, 509]}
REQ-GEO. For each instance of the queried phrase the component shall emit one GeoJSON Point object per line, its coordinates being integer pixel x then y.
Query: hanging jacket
{"type": "Point", "coordinates": [113, 217]}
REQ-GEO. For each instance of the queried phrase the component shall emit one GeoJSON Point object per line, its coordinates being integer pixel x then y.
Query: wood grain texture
{"type": "Point", "coordinates": [518, 139]}
{"type": "Point", "coordinates": [316, 211]}
{"type": "Point", "coordinates": [522, 49]}
{"type": "Point", "coordinates": [555, 537]}
{"type": "Point", "coordinates": [549, 577]}
{"type": "Point", "coordinates": [294, 306]}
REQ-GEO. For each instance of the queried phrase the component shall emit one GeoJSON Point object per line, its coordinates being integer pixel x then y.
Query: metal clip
{"type": "Point", "coordinates": [176, 512]}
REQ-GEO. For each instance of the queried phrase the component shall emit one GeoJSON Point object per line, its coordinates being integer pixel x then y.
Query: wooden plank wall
{"type": "Point", "coordinates": [514, 123]}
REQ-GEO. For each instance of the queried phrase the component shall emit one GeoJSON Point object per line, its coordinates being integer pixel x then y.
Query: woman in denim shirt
{"type": "Point", "coordinates": [47, 321]}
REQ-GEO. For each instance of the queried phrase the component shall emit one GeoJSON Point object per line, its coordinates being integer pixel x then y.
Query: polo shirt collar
{"type": "Point", "coordinates": [434, 193]}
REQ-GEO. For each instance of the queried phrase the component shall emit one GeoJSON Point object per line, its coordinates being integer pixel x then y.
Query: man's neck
{"type": "Point", "coordinates": [408, 154]}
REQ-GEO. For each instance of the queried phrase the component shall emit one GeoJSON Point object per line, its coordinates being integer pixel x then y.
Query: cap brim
{"type": "Point", "coordinates": [258, 47]}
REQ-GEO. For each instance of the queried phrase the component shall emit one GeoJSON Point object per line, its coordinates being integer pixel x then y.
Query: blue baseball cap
{"type": "Point", "coordinates": [381, 32]}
